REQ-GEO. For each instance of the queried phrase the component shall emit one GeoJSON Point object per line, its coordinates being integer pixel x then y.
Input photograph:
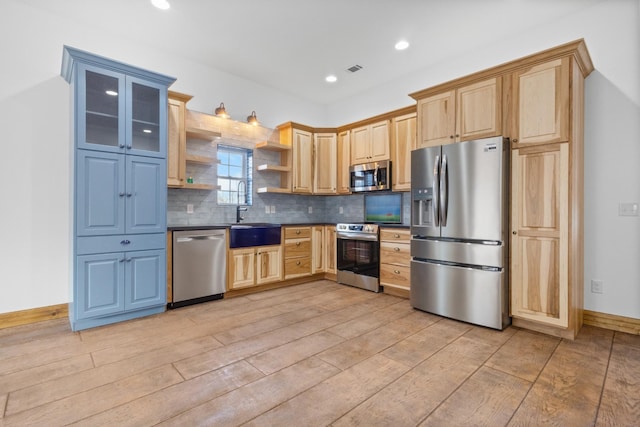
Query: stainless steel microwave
{"type": "Point", "coordinates": [372, 176]}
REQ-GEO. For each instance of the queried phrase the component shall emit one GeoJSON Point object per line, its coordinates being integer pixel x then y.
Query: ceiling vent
{"type": "Point", "coordinates": [354, 68]}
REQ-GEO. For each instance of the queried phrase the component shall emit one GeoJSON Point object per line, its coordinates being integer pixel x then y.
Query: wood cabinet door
{"type": "Point", "coordinates": [541, 103]}
{"type": "Point", "coordinates": [302, 161]}
{"type": "Point", "coordinates": [144, 279]}
{"type": "Point", "coordinates": [479, 110]}
{"type": "Point", "coordinates": [241, 268]}
{"type": "Point", "coordinates": [317, 249]}
{"type": "Point", "coordinates": [360, 138]}
{"type": "Point", "coordinates": [100, 193]}
{"type": "Point", "coordinates": [325, 163]}
{"type": "Point", "coordinates": [176, 144]}
{"type": "Point", "coordinates": [402, 142]}
{"type": "Point", "coordinates": [146, 195]}
{"type": "Point", "coordinates": [379, 144]}
{"type": "Point", "coordinates": [344, 161]}
{"type": "Point", "coordinates": [539, 240]}
{"type": "Point", "coordinates": [437, 118]}
{"type": "Point", "coordinates": [268, 264]}
{"type": "Point", "coordinates": [99, 289]}
{"type": "Point", "coordinates": [330, 248]}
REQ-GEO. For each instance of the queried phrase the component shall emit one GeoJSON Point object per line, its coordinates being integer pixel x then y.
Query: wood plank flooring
{"type": "Point", "coordinates": [316, 354]}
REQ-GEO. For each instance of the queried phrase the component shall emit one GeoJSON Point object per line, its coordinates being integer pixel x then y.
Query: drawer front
{"type": "Point", "coordinates": [393, 234]}
{"type": "Point", "coordinates": [297, 248]}
{"type": "Point", "coordinates": [297, 232]}
{"type": "Point", "coordinates": [120, 243]}
{"type": "Point", "coordinates": [395, 275]}
{"type": "Point", "coordinates": [297, 267]}
{"type": "Point", "coordinates": [395, 253]}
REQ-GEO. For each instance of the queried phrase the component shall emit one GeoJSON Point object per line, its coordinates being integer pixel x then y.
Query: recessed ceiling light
{"type": "Point", "coordinates": [331, 78]}
{"type": "Point", "coordinates": [161, 4]}
{"type": "Point", "coordinates": [111, 93]}
{"type": "Point", "coordinates": [402, 45]}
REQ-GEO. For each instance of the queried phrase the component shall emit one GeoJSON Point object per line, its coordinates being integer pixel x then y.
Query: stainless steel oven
{"type": "Point", "coordinates": [358, 256]}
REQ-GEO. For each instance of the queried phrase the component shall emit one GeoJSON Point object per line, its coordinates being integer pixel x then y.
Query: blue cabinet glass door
{"type": "Point", "coordinates": [146, 122]}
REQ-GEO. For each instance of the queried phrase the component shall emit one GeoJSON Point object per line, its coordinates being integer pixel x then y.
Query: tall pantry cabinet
{"type": "Point", "coordinates": [538, 103]}
{"type": "Point", "coordinates": [120, 174]}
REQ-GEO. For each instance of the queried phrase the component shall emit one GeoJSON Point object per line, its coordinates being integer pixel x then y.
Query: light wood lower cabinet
{"type": "Point", "coordinates": [539, 240]}
{"type": "Point", "coordinates": [254, 266]}
{"type": "Point", "coordinates": [319, 259]}
{"type": "Point", "coordinates": [395, 259]}
{"type": "Point", "coordinates": [297, 252]}
{"type": "Point", "coordinates": [330, 249]}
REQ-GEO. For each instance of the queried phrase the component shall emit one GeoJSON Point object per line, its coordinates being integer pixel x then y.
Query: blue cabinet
{"type": "Point", "coordinates": [120, 196]}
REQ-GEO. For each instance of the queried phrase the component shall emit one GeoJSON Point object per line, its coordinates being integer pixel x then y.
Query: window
{"type": "Point", "coordinates": [235, 176]}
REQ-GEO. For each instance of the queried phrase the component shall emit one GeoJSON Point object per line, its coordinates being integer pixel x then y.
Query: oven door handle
{"type": "Point", "coordinates": [356, 236]}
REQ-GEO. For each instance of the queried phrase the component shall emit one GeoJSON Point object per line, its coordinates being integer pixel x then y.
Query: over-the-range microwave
{"type": "Point", "coordinates": [372, 176]}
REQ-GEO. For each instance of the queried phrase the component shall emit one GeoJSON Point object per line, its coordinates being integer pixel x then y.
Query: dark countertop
{"type": "Point", "coordinates": [301, 224]}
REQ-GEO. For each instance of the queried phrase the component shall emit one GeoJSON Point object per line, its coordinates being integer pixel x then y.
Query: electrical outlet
{"type": "Point", "coordinates": [597, 287]}
{"type": "Point", "coordinates": [310, 209]}
{"type": "Point", "coordinates": [273, 209]}
{"type": "Point", "coordinates": [341, 209]}
{"type": "Point", "coordinates": [266, 209]}
{"type": "Point", "coordinates": [189, 208]}
{"type": "Point", "coordinates": [628, 209]}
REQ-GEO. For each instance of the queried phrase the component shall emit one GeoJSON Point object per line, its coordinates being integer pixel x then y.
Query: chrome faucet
{"type": "Point", "coordinates": [241, 208]}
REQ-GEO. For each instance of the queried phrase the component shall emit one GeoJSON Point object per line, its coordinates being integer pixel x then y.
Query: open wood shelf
{"type": "Point", "coordinates": [273, 190]}
{"type": "Point", "coordinates": [276, 168]}
{"type": "Point", "coordinates": [201, 187]}
{"type": "Point", "coordinates": [273, 146]}
{"type": "Point", "coordinates": [205, 134]}
{"type": "Point", "coordinates": [201, 160]}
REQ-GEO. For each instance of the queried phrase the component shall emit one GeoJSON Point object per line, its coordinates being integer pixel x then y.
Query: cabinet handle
{"type": "Point", "coordinates": [121, 194]}
{"type": "Point", "coordinates": [129, 194]}
{"type": "Point", "coordinates": [297, 243]}
{"type": "Point", "coordinates": [128, 259]}
{"type": "Point", "coordinates": [129, 147]}
{"type": "Point", "coordinates": [396, 271]}
{"type": "Point", "coordinates": [397, 236]}
{"type": "Point", "coordinates": [125, 242]}
{"type": "Point", "coordinates": [396, 249]}
{"type": "Point", "coordinates": [121, 260]}
{"type": "Point", "coordinates": [514, 232]}
{"type": "Point", "coordinates": [121, 145]}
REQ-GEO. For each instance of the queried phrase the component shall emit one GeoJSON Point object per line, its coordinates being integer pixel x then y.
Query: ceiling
{"type": "Point", "coordinates": [291, 45]}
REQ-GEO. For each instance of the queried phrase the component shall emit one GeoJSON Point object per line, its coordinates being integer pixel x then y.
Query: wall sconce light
{"type": "Point", "coordinates": [221, 112]}
{"type": "Point", "coordinates": [252, 119]}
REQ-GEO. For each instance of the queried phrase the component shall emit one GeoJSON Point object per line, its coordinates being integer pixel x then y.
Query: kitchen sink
{"type": "Point", "coordinates": [254, 234]}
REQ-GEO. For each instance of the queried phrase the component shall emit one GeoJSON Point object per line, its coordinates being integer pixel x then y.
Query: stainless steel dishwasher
{"type": "Point", "coordinates": [199, 266]}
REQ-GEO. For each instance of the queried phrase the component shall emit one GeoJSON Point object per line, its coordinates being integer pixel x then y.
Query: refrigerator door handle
{"type": "Point", "coordinates": [444, 190]}
{"type": "Point", "coordinates": [436, 192]}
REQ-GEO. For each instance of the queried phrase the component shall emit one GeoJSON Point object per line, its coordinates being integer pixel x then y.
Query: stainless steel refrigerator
{"type": "Point", "coordinates": [459, 226]}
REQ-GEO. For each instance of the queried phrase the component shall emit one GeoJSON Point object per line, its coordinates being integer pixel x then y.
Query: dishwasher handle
{"type": "Point", "coordinates": [202, 237]}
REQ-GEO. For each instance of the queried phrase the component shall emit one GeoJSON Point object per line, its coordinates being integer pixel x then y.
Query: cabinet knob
{"type": "Point", "coordinates": [457, 136]}
{"type": "Point", "coordinates": [125, 242]}
{"type": "Point", "coordinates": [396, 249]}
{"type": "Point", "coordinates": [397, 236]}
{"type": "Point", "coordinates": [451, 136]}
{"type": "Point", "coordinates": [121, 146]}
{"type": "Point", "coordinates": [121, 260]}
{"type": "Point", "coordinates": [514, 232]}
{"type": "Point", "coordinates": [129, 147]}
{"type": "Point", "coordinates": [297, 243]}
{"type": "Point", "coordinates": [396, 271]}
{"type": "Point", "coordinates": [128, 259]}
{"type": "Point", "coordinates": [298, 263]}
{"type": "Point", "coordinates": [121, 194]}
{"type": "Point", "coordinates": [129, 194]}
{"type": "Point", "coordinates": [297, 231]}
{"type": "Point", "coordinates": [515, 139]}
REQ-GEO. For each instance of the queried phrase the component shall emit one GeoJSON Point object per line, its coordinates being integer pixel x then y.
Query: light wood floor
{"type": "Point", "coordinates": [314, 354]}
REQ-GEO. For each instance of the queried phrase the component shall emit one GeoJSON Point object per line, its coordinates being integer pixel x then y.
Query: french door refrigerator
{"type": "Point", "coordinates": [459, 226]}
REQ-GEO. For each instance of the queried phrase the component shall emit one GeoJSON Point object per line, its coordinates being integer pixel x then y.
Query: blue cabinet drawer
{"type": "Point", "coordinates": [120, 243]}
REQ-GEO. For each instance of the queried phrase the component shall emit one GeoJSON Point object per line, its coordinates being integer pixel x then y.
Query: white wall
{"type": "Point", "coordinates": [35, 165]}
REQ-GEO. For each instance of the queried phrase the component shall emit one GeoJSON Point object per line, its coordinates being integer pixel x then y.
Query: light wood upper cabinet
{"type": "Point", "coordinates": [176, 139]}
{"type": "Point", "coordinates": [325, 163]}
{"type": "Point", "coordinates": [403, 140]}
{"type": "Point", "coordinates": [469, 112]}
{"type": "Point", "coordinates": [343, 162]}
{"type": "Point", "coordinates": [539, 241]}
{"type": "Point", "coordinates": [541, 103]}
{"type": "Point", "coordinates": [302, 161]}
{"type": "Point", "coordinates": [370, 143]}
